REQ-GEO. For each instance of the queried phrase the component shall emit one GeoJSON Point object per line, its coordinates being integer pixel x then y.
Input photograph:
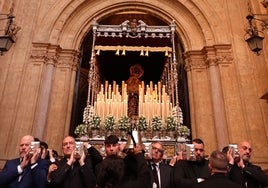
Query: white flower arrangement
{"type": "Point", "coordinates": [156, 123]}
{"type": "Point", "coordinates": [142, 124]}
{"type": "Point", "coordinates": [81, 129]}
{"type": "Point", "coordinates": [183, 131]}
{"type": "Point", "coordinates": [95, 122]}
{"type": "Point", "coordinates": [124, 123]}
{"type": "Point", "coordinates": [109, 123]}
{"type": "Point", "coordinates": [171, 123]}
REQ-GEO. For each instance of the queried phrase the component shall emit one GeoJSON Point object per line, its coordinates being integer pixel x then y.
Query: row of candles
{"type": "Point", "coordinates": [153, 101]}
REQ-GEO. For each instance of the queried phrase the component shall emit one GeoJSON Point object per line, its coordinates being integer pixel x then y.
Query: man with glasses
{"type": "Point", "coordinates": [244, 172]}
{"type": "Point", "coordinates": [162, 174]}
{"type": "Point", "coordinates": [187, 173]}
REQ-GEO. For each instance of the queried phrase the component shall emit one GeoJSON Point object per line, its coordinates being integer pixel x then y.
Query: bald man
{"type": "Point", "coordinates": [73, 171]}
{"type": "Point", "coordinates": [242, 171]}
{"type": "Point", "coordinates": [28, 170]}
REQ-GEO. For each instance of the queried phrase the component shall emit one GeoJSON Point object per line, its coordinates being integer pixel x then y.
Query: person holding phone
{"type": "Point", "coordinates": [187, 173]}
{"type": "Point", "coordinates": [28, 170]}
{"type": "Point", "coordinates": [73, 170]}
{"type": "Point", "coordinates": [242, 171]}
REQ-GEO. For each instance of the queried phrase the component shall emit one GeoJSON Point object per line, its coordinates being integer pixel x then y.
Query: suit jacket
{"type": "Point", "coordinates": [252, 175]}
{"type": "Point", "coordinates": [135, 174]}
{"type": "Point", "coordinates": [31, 177]}
{"type": "Point", "coordinates": [75, 176]}
{"type": "Point", "coordinates": [218, 180]}
{"type": "Point", "coordinates": [166, 175]}
{"type": "Point", "coordinates": [187, 172]}
{"type": "Point", "coordinates": [95, 157]}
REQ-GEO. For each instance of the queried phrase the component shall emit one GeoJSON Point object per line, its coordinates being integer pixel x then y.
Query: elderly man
{"type": "Point", "coordinates": [73, 171]}
{"type": "Point", "coordinates": [242, 171]}
{"type": "Point", "coordinates": [27, 171]}
{"type": "Point", "coordinates": [162, 174]}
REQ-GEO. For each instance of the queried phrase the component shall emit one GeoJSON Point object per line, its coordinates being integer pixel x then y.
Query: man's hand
{"type": "Point", "coordinates": [230, 155]}
{"type": "Point", "coordinates": [137, 149]}
{"type": "Point", "coordinates": [36, 155]}
{"type": "Point", "coordinates": [72, 159]}
{"type": "Point", "coordinates": [26, 159]}
{"type": "Point", "coordinates": [82, 159]}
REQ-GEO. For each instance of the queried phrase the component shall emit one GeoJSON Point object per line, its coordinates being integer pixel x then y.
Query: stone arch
{"type": "Point", "coordinates": [73, 19]}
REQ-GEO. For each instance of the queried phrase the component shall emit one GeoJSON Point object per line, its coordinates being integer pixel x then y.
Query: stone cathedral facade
{"type": "Point", "coordinates": [222, 85]}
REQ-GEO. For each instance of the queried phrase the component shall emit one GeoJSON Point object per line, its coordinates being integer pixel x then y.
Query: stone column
{"type": "Point", "coordinates": [202, 118]}
{"type": "Point", "coordinates": [49, 56]}
{"type": "Point", "coordinates": [213, 59]}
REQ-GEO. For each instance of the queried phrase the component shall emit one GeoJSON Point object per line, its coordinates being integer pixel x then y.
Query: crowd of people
{"type": "Point", "coordinates": [41, 167]}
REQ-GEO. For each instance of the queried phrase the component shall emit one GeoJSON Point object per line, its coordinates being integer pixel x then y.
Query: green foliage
{"type": "Point", "coordinates": [109, 123]}
{"type": "Point", "coordinates": [95, 122]}
{"type": "Point", "coordinates": [184, 131]}
{"type": "Point", "coordinates": [156, 123]}
{"type": "Point", "coordinates": [142, 124]}
{"type": "Point", "coordinates": [81, 129]}
{"type": "Point", "coordinates": [171, 123]}
{"type": "Point", "coordinates": [124, 123]}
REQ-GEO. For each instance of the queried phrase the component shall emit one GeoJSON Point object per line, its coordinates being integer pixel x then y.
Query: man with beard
{"type": "Point", "coordinates": [188, 173]}
{"type": "Point", "coordinates": [27, 171]}
{"type": "Point", "coordinates": [244, 172]}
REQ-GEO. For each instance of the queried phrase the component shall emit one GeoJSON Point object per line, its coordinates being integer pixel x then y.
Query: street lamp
{"type": "Point", "coordinates": [9, 36]}
{"type": "Point", "coordinates": [253, 36]}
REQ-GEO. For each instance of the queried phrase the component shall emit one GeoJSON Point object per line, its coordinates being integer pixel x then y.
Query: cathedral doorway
{"type": "Point", "coordinates": [116, 67]}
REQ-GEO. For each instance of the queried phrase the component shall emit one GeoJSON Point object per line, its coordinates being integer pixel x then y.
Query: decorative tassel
{"type": "Point", "coordinates": [166, 53]}
{"type": "Point", "coordinates": [147, 53]}
{"type": "Point", "coordinates": [117, 52]}
{"type": "Point", "coordinates": [124, 52]}
{"type": "Point", "coordinates": [98, 52]}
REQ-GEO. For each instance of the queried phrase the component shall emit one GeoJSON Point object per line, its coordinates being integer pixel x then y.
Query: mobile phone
{"type": "Point", "coordinates": [34, 146]}
{"type": "Point", "coordinates": [235, 152]}
{"type": "Point", "coordinates": [190, 152]}
{"type": "Point", "coordinates": [79, 149]}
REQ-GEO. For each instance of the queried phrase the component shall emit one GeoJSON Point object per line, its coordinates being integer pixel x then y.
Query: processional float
{"type": "Point", "coordinates": [133, 98]}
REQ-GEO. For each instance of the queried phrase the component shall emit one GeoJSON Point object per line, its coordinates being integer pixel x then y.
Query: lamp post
{"type": "Point", "coordinates": [253, 36]}
{"type": "Point", "coordinates": [9, 36]}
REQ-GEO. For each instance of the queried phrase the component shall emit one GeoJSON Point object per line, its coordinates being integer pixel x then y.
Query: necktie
{"type": "Point", "coordinates": [155, 175]}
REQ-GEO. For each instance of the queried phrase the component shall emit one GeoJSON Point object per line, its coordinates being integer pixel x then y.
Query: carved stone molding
{"type": "Point", "coordinates": [208, 56]}
{"type": "Point", "coordinates": [194, 60]}
{"type": "Point", "coordinates": [55, 55]}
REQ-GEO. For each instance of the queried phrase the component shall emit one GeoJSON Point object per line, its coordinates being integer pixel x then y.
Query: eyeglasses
{"type": "Point", "coordinates": [159, 150]}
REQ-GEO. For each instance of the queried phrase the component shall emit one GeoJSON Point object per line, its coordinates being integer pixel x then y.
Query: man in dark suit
{"type": "Point", "coordinates": [161, 173]}
{"type": "Point", "coordinates": [27, 171]}
{"type": "Point", "coordinates": [187, 173]}
{"type": "Point", "coordinates": [73, 171]}
{"type": "Point", "coordinates": [122, 171]}
{"type": "Point", "coordinates": [218, 164]}
{"type": "Point", "coordinates": [244, 172]}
